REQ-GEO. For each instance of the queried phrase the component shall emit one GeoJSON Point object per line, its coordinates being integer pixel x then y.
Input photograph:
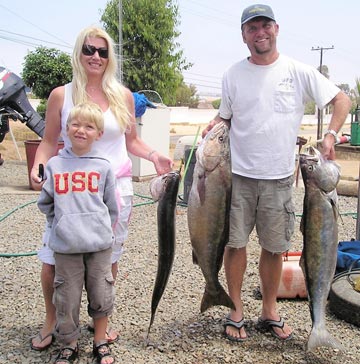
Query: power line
{"type": "Point", "coordinates": [205, 81]}
{"type": "Point", "coordinates": [224, 18]}
{"type": "Point", "coordinates": [198, 74]}
{"type": "Point", "coordinates": [321, 49]}
{"type": "Point", "coordinates": [200, 85]}
{"type": "Point", "coordinates": [217, 10]}
{"type": "Point", "coordinates": [189, 79]}
{"type": "Point", "coordinates": [36, 26]}
{"type": "Point", "coordinates": [25, 42]}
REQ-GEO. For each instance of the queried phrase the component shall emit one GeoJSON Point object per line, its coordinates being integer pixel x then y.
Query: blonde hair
{"type": "Point", "coordinates": [88, 111]}
{"type": "Point", "coordinates": [114, 90]}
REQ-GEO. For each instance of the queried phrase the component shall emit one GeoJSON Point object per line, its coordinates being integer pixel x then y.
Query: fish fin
{"type": "Point", "coordinates": [201, 188]}
{"type": "Point", "coordinates": [302, 264]}
{"type": "Point", "coordinates": [221, 298]}
{"type": "Point", "coordinates": [302, 229]}
{"type": "Point", "coordinates": [336, 210]}
{"type": "Point", "coordinates": [321, 337]}
{"type": "Point", "coordinates": [194, 258]}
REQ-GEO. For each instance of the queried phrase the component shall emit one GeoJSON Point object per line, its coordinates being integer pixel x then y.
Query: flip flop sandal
{"type": "Point", "coordinates": [41, 348]}
{"type": "Point", "coordinates": [102, 351]}
{"type": "Point", "coordinates": [68, 355]}
{"type": "Point", "coordinates": [238, 325]}
{"type": "Point", "coordinates": [108, 333]}
{"type": "Point", "coordinates": [268, 326]}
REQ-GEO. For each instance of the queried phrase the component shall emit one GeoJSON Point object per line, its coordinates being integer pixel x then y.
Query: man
{"type": "Point", "coordinates": [263, 97]}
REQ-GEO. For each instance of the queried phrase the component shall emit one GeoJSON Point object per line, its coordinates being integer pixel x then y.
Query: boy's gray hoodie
{"type": "Point", "coordinates": [78, 198]}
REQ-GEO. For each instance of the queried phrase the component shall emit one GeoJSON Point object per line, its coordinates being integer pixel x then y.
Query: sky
{"type": "Point", "coordinates": [210, 34]}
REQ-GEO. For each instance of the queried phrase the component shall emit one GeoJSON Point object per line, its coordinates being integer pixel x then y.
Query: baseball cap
{"type": "Point", "coordinates": [256, 10]}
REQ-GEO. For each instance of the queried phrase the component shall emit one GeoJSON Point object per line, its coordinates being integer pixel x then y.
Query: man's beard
{"type": "Point", "coordinates": [260, 50]}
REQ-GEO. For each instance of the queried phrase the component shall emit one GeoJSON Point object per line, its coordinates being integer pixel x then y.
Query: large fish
{"type": "Point", "coordinates": [320, 237]}
{"type": "Point", "coordinates": [208, 212]}
{"type": "Point", "coordinates": [164, 189]}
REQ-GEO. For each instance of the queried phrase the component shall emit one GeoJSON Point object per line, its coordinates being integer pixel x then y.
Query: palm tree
{"type": "Point", "coordinates": [357, 91]}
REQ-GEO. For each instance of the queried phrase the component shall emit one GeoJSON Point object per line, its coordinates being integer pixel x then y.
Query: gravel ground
{"type": "Point", "coordinates": [180, 333]}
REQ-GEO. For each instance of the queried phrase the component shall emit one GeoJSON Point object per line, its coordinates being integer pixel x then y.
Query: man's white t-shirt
{"type": "Point", "coordinates": [266, 106]}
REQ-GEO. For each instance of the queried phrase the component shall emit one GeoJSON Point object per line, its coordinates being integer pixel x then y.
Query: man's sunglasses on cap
{"type": "Point", "coordinates": [89, 50]}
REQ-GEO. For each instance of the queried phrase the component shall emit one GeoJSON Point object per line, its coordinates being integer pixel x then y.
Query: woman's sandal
{"type": "Point", "coordinates": [102, 351]}
{"type": "Point", "coordinates": [67, 355]}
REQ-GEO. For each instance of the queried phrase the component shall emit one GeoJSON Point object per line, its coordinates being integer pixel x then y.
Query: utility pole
{"type": "Point", "coordinates": [320, 113]}
{"type": "Point", "coordinates": [120, 60]}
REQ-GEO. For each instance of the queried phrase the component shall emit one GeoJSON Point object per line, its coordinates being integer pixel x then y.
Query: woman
{"type": "Point", "coordinates": [94, 79]}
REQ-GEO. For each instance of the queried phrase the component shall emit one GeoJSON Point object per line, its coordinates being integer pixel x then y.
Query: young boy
{"type": "Point", "coordinates": [78, 198]}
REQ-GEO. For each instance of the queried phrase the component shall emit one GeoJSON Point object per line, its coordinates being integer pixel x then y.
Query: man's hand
{"type": "Point", "coordinates": [327, 147]}
{"type": "Point", "coordinates": [209, 127]}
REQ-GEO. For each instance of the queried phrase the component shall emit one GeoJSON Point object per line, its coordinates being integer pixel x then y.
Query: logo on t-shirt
{"type": "Point", "coordinates": [286, 84]}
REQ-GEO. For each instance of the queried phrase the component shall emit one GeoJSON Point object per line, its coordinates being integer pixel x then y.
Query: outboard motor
{"type": "Point", "coordinates": [14, 104]}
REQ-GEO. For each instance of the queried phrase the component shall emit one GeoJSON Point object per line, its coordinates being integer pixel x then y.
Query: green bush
{"type": "Point", "coordinates": [216, 103]}
{"type": "Point", "coordinates": [41, 109]}
{"type": "Point", "coordinates": [310, 108]}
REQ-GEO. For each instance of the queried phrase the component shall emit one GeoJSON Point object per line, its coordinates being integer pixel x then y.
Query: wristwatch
{"type": "Point", "coordinates": [334, 134]}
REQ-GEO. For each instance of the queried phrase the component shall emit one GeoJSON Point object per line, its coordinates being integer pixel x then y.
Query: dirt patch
{"type": "Point", "coordinates": [15, 149]}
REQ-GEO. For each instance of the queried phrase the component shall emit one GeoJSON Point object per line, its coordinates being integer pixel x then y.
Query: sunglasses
{"type": "Point", "coordinates": [89, 50]}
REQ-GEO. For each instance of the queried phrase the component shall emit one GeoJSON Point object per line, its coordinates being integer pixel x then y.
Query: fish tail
{"type": "Point", "coordinates": [220, 298]}
{"type": "Point", "coordinates": [321, 337]}
{"type": "Point", "coordinates": [150, 324]}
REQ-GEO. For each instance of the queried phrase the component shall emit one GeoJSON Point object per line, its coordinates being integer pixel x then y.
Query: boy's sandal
{"type": "Point", "coordinates": [112, 334]}
{"type": "Point", "coordinates": [67, 355]}
{"type": "Point", "coordinates": [102, 351]}
{"type": "Point", "coordinates": [41, 340]}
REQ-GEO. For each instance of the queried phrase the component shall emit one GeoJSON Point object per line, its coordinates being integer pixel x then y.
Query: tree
{"type": "Point", "coordinates": [46, 68]}
{"type": "Point", "coordinates": [216, 103]}
{"type": "Point", "coordinates": [357, 90]}
{"type": "Point", "coordinates": [324, 70]}
{"type": "Point", "coordinates": [310, 108]}
{"type": "Point", "coordinates": [345, 87]}
{"type": "Point", "coordinates": [152, 59]}
{"type": "Point", "coordinates": [186, 96]}
{"type": "Point", "coordinates": [355, 95]}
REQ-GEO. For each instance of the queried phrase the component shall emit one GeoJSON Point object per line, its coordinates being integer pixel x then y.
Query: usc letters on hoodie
{"type": "Point", "coordinates": [78, 198]}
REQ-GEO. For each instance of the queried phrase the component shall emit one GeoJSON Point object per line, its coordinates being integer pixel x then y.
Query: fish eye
{"type": "Point", "coordinates": [310, 168]}
{"type": "Point", "coordinates": [221, 138]}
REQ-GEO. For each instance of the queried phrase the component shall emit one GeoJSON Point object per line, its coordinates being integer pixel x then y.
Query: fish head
{"type": "Point", "coordinates": [318, 171]}
{"type": "Point", "coordinates": [214, 148]}
{"type": "Point", "coordinates": [160, 184]}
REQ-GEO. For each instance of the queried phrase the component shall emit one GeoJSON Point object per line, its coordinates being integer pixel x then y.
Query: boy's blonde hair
{"type": "Point", "coordinates": [87, 111]}
{"type": "Point", "coordinates": [114, 90]}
